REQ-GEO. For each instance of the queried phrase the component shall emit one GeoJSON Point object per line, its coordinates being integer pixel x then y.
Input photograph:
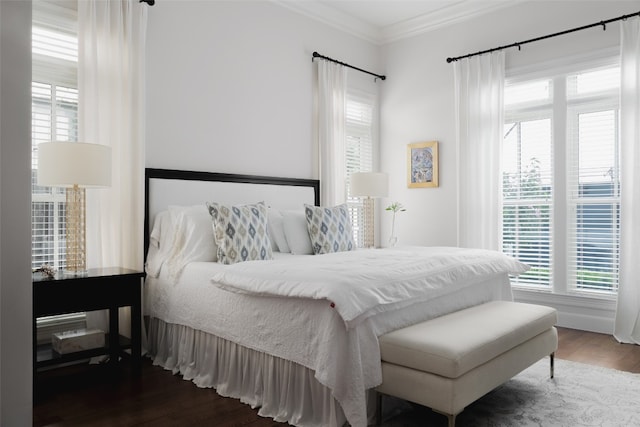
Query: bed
{"type": "Point", "coordinates": [294, 334]}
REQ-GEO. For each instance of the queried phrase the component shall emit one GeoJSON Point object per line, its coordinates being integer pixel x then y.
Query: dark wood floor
{"type": "Point", "coordinates": [96, 396]}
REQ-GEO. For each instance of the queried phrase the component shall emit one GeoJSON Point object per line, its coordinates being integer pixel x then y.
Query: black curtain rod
{"type": "Point", "coordinates": [317, 55]}
{"type": "Point", "coordinates": [149, 2]}
{"type": "Point", "coordinates": [548, 36]}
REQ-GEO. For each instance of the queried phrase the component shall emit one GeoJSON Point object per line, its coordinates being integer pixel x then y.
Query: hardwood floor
{"type": "Point", "coordinates": [597, 349]}
{"type": "Point", "coordinates": [95, 396]}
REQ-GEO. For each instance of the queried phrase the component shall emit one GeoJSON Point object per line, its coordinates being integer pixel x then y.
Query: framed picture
{"type": "Point", "coordinates": [422, 164]}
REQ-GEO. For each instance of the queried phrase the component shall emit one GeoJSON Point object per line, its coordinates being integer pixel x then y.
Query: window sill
{"type": "Point", "coordinates": [588, 313]}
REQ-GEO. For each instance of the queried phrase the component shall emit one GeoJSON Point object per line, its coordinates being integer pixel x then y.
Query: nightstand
{"type": "Point", "coordinates": [98, 289]}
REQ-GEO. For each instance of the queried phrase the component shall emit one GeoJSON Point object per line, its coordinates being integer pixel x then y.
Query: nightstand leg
{"type": "Point", "coordinates": [114, 335]}
{"type": "Point", "coordinates": [136, 333]}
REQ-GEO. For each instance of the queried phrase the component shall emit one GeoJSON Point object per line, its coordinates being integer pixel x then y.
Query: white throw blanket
{"type": "Point", "coordinates": [359, 284]}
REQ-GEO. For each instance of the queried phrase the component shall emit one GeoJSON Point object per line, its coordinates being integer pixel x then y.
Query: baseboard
{"type": "Point", "coordinates": [575, 312]}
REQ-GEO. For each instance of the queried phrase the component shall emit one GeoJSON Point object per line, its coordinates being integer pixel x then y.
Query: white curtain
{"type": "Point", "coordinates": [479, 91]}
{"type": "Point", "coordinates": [111, 70]}
{"type": "Point", "coordinates": [627, 326]}
{"type": "Point", "coordinates": [332, 92]}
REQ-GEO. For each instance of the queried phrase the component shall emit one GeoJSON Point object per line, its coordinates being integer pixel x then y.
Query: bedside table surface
{"type": "Point", "coordinates": [90, 274]}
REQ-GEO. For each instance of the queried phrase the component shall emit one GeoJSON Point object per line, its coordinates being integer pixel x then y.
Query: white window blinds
{"type": "Point", "coordinates": [593, 181]}
{"type": "Point", "coordinates": [54, 101]}
{"type": "Point", "coordinates": [358, 151]}
{"type": "Point", "coordinates": [561, 186]}
{"type": "Point", "coordinates": [527, 194]}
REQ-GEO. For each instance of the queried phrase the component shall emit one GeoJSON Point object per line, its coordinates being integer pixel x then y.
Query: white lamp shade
{"type": "Point", "coordinates": [369, 184]}
{"type": "Point", "coordinates": [65, 164]}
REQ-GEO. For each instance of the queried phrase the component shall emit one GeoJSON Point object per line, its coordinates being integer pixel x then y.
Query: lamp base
{"type": "Point", "coordinates": [75, 273]}
{"type": "Point", "coordinates": [76, 262]}
{"type": "Point", "coordinates": [369, 223]}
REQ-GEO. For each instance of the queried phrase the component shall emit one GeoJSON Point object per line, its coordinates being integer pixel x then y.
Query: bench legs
{"type": "Point", "coordinates": [450, 417]}
{"type": "Point", "coordinates": [551, 367]}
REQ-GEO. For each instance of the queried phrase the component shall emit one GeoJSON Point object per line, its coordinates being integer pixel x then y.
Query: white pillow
{"type": "Point", "coordinates": [193, 241]}
{"type": "Point", "coordinates": [241, 232]}
{"type": "Point", "coordinates": [160, 243]}
{"type": "Point", "coordinates": [296, 233]}
{"type": "Point", "coordinates": [276, 231]}
{"type": "Point", "coordinates": [329, 229]}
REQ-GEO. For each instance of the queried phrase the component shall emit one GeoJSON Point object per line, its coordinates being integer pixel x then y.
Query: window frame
{"type": "Point", "coordinates": [560, 106]}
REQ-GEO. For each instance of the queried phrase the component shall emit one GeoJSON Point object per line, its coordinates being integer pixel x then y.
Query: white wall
{"type": "Point", "coordinates": [418, 102]}
{"type": "Point", "coordinates": [230, 85]}
{"type": "Point", "coordinates": [15, 214]}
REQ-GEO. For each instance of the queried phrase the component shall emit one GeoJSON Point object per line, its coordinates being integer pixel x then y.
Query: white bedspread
{"type": "Point", "coordinates": [307, 330]}
{"type": "Point", "coordinates": [361, 283]}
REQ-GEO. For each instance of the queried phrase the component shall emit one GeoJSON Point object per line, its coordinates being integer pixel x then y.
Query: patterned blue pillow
{"type": "Point", "coordinates": [329, 229]}
{"type": "Point", "coordinates": [240, 232]}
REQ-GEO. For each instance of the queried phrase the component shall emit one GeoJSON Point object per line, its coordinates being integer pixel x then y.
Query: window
{"type": "Point", "coordinates": [561, 187]}
{"type": "Point", "coordinates": [54, 101]}
{"type": "Point", "coordinates": [359, 151]}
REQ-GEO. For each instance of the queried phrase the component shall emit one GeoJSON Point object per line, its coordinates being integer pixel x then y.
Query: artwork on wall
{"type": "Point", "coordinates": [422, 164]}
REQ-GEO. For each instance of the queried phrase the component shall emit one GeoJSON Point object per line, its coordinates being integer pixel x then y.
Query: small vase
{"type": "Point", "coordinates": [393, 239]}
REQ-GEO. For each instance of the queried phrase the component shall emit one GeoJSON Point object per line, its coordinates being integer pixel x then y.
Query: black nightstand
{"type": "Point", "coordinates": [100, 288]}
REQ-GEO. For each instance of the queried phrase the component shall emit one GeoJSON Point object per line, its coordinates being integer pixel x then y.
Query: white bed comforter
{"type": "Point", "coordinates": [340, 345]}
{"type": "Point", "coordinates": [359, 284]}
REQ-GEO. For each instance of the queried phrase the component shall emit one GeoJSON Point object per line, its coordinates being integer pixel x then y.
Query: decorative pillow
{"type": "Point", "coordinates": [296, 233]}
{"type": "Point", "coordinates": [276, 231]}
{"type": "Point", "coordinates": [241, 232]}
{"type": "Point", "coordinates": [192, 239]}
{"type": "Point", "coordinates": [329, 229]}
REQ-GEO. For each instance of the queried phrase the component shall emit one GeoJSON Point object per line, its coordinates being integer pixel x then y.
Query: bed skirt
{"type": "Point", "coordinates": [281, 389]}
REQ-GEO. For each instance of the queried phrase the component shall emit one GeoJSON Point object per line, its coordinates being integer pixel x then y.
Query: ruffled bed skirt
{"type": "Point", "coordinates": [283, 390]}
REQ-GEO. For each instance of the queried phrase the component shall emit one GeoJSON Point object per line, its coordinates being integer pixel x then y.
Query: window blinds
{"type": "Point", "coordinates": [527, 195]}
{"type": "Point", "coordinates": [593, 181]}
{"type": "Point", "coordinates": [582, 129]}
{"type": "Point", "coordinates": [359, 124]}
{"type": "Point", "coordinates": [54, 101]}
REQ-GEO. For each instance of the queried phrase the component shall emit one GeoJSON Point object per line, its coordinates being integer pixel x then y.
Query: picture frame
{"type": "Point", "coordinates": [422, 164]}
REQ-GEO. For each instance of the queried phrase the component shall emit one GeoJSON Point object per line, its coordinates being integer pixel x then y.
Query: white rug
{"type": "Point", "coordinates": [579, 395]}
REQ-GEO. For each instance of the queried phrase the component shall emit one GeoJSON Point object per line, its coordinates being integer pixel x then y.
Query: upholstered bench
{"type": "Point", "coordinates": [449, 362]}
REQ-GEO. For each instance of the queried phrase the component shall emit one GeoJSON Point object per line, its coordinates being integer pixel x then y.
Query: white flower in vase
{"type": "Point", "coordinates": [394, 207]}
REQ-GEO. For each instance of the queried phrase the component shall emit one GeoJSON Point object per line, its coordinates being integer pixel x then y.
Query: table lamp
{"type": "Point", "coordinates": [369, 185]}
{"type": "Point", "coordinates": [75, 166]}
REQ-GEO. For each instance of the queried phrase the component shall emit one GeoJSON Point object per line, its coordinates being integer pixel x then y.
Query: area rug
{"type": "Point", "coordinates": [579, 395]}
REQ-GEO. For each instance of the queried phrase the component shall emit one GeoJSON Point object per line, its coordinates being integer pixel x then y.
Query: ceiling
{"type": "Point", "coordinates": [384, 21]}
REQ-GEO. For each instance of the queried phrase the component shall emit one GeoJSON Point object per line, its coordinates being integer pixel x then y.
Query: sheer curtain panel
{"type": "Point", "coordinates": [111, 69]}
{"type": "Point", "coordinates": [627, 326]}
{"type": "Point", "coordinates": [479, 91]}
{"type": "Point", "coordinates": [332, 93]}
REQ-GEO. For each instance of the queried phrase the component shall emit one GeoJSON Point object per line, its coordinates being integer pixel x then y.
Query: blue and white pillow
{"type": "Point", "coordinates": [240, 232]}
{"type": "Point", "coordinates": [329, 229]}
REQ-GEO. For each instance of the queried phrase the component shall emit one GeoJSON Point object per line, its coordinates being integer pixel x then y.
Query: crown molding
{"type": "Point", "coordinates": [453, 13]}
{"type": "Point", "coordinates": [335, 18]}
{"type": "Point", "coordinates": [448, 15]}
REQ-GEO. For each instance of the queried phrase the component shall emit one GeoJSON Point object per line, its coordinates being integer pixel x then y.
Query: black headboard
{"type": "Point", "coordinates": [151, 175]}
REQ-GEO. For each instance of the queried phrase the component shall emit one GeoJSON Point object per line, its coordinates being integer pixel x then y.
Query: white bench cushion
{"type": "Point", "coordinates": [453, 344]}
